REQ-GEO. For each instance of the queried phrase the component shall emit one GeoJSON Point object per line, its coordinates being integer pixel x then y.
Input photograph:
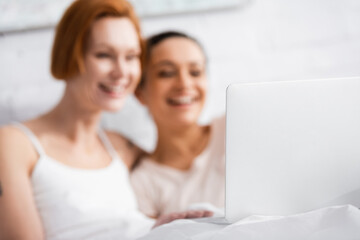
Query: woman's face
{"type": "Point", "coordinates": [112, 64]}
{"type": "Point", "coordinates": [175, 86]}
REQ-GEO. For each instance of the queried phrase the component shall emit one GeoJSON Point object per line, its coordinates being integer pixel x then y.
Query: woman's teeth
{"type": "Point", "coordinates": [113, 89]}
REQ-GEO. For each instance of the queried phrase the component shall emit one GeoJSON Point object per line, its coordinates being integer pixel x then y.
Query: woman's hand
{"type": "Point", "coordinates": [182, 215]}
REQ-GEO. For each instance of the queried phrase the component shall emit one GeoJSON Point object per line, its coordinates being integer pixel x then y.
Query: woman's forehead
{"type": "Point", "coordinates": [176, 49]}
{"type": "Point", "coordinates": [115, 31]}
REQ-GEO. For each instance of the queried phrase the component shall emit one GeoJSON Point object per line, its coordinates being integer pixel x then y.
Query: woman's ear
{"type": "Point", "coordinates": [139, 92]}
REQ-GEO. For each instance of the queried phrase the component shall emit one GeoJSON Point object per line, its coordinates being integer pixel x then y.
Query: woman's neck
{"type": "Point", "coordinates": [179, 147]}
{"type": "Point", "coordinates": [78, 122]}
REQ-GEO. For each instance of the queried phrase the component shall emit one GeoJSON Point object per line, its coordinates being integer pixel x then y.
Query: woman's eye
{"type": "Point", "coordinates": [166, 74]}
{"type": "Point", "coordinates": [195, 73]}
{"type": "Point", "coordinates": [132, 57]}
{"type": "Point", "coordinates": [102, 55]}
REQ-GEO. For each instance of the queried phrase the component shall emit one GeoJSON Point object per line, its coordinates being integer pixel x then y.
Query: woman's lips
{"type": "Point", "coordinates": [114, 91]}
{"type": "Point", "coordinates": [181, 101]}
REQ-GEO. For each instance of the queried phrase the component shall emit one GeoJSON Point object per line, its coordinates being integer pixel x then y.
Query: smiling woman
{"type": "Point", "coordinates": [70, 178]}
{"type": "Point", "coordinates": [176, 73]}
{"type": "Point", "coordinates": [187, 166]}
{"type": "Point", "coordinates": [65, 158]}
{"type": "Point", "coordinates": [112, 60]}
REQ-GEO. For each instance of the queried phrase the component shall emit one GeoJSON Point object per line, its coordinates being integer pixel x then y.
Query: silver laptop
{"type": "Point", "coordinates": [292, 146]}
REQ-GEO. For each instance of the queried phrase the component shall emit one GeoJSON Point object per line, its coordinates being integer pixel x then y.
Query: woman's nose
{"type": "Point", "coordinates": [118, 69]}
{"type": "Point", "coordinates": [184, 80]}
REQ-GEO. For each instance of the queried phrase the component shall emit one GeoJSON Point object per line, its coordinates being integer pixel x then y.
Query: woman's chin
{"type": "Point", "coordinates": [113, 107]}
{"type": "Point", "coordinates": [184, 122]}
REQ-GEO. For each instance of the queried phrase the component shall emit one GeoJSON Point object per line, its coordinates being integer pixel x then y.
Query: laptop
{"type": "Point", "coordinates": [292, 146]}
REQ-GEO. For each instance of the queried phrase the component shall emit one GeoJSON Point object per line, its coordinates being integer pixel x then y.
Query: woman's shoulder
{"type": "Point", "coordinates": [146, 163]}
{"type": "Point", "coordinates": [19, 132]}
{"type": "Point", "coordinates": [146, 173]}
{"type": "Point", "coordinates": [216, 145]}
{"type": "Point", "coordinates": [129, 152]}
{"type": "Point", "coordinates": [15, 147]}
{"type": "Point", "coordinates": [219, 122]}
{"type": "Point", "coordinates": [12, 135]}
{"type": "Point", "coordinates": [217, 126]}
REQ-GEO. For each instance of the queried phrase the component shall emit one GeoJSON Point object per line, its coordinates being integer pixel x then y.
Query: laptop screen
{"type": "Point", "coordinates": [292, 146]}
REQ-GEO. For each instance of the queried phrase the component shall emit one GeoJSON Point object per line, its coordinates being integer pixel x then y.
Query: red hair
{"type": "Point", "coordinates": [73, 31]}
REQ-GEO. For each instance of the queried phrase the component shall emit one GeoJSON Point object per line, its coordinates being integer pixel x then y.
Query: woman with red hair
{"type": "Point", "coordinates": [61, 175]}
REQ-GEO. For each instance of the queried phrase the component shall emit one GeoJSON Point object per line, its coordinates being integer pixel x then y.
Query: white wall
{"type": "Point", "coordinates": [264, 40]}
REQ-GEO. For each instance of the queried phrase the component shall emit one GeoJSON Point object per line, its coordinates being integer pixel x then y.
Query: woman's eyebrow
{"type": "Point", "coordinates": [164, 63]}
{"type": "Point", "coordinates": [101, 46]}
{"type": "Point", "coordinates": [106, 46]}
{"type": "Point", "coordinates": [197, 64]}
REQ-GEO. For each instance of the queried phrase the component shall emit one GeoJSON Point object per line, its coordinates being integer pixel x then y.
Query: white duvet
{"type": "Point", "coordinates": [332, 223]}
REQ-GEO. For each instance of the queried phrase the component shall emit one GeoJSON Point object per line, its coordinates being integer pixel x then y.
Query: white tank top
{"type": "Point", "coordinates": [77, 203]}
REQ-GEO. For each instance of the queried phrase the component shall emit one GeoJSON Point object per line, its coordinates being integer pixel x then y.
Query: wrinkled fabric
{"type": "Point", "coordinates": [331, 223]}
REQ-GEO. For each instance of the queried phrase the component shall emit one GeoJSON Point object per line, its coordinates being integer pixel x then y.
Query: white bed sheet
{"type": "Point", "coordinates": [331, 223]}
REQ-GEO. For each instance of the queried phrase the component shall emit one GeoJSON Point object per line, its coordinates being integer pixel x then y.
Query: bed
{"type": "Point", "coordinates": [331, 223]}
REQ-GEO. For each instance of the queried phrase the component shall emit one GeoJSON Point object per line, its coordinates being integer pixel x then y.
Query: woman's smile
{"type": "Point", "coordinates": [115, 91]}
{"type": "Point", "coordinates": [182, 101]}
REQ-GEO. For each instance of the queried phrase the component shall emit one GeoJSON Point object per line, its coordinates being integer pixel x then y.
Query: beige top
{"type": "Point", "coordinates": [161, 189]}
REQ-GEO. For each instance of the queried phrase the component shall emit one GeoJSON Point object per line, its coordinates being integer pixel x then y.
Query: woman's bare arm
{"type": "Point", "coordinates": [126, 149]}
{"type": "Point", "coordinates": [19, 218]}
